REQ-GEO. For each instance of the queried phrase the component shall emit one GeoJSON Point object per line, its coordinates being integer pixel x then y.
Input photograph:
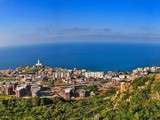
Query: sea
{"type": "Point", "coordinates": [90, 56]}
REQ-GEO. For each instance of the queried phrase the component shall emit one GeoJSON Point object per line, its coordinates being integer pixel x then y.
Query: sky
{"type": "Point", "coordinates": [27, 22]}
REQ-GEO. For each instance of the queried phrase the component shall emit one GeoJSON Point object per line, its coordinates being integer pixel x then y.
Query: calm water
{"type": "Point", "coordinates": [90, 56]}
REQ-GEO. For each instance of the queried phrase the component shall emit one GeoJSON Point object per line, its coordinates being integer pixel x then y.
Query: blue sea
{"type": "Point", "coordinates": [90, 56]}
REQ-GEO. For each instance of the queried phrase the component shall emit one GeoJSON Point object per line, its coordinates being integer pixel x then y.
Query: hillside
{"type": "Point", "coordinates": [140, 101]}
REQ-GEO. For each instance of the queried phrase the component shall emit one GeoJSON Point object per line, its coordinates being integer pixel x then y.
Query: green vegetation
{"type": "Point", "coordinates": [142, 103]}
{"type": "Point", "coordinates": [91, 88]}
{"type": "Point", "coordinates": [157, 88]}
{"type": "Point", "coordinates": [6, 97]}
{"type": "Point", "coordinates": [141, 81]}
{"type": "Point", "coordinates": [7, 79]}
{"type": "Point", "coordinates": [28, 69]}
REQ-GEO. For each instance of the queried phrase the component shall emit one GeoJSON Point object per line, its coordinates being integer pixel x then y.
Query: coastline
{"type": "Point", "coordinates": [91, 56]}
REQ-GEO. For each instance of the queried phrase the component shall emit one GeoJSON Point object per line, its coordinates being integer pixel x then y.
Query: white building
{"type": "Point", "coordinates": [38, 64]}
{"type": "Point", "coordinates": [153, 69]}
{"type": "Point", "coordinates": [94, 74]}
{"type": "Point", "coordinates": [59, 74]}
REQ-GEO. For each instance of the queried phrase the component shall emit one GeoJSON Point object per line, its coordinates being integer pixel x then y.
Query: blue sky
{"type": "Point", "coordinates": [24, 22]}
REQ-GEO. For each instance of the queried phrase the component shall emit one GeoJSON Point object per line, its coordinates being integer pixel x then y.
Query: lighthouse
{"type": "Point", "coordinates": [38, 64]}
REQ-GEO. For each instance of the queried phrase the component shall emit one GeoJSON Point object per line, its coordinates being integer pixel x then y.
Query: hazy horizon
{"type": "Point", "coordinates": [62, 21]}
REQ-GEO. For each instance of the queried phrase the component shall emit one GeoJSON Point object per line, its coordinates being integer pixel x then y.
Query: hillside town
{"type": "Point", "coordinates": [70, 84]}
